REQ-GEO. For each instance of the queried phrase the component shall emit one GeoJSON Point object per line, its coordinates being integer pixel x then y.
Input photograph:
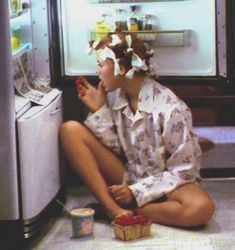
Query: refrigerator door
{"type": "Point", "coordinates": [39, 157]}
{"type": "Point", "coordinates": [9, 208]}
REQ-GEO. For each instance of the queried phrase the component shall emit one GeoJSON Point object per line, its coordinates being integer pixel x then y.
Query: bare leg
{"type": "Point", "coordinates": [186, 206]}
{"type": "Point", "coordinates": [94, 163]}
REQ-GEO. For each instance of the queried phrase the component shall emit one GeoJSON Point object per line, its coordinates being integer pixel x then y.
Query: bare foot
{"type": "Point", "coordinates": [101, 214]}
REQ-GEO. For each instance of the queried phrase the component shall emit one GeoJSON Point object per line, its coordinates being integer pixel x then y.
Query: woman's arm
{"type": "Point", "coordinates": [99, 121]}
{"type": "Point", "coordinates": [102, 126]}
{"type": "Point", "coordinates": [93, 98]}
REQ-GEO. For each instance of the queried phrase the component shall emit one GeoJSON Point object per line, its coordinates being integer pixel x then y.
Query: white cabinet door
{"type": "Point", "coordinates": [38, 145]}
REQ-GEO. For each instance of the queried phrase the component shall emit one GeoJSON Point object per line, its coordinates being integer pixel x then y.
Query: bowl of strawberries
{"type": "Point", "coordinates": [131, 228]}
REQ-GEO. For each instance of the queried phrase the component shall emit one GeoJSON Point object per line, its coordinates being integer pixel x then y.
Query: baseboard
{"type": "Point", "coordinates": [217, 172]}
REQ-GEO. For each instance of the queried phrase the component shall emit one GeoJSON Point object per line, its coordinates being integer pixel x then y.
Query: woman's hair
{"type": "Point", "coordinates": [124, 52]}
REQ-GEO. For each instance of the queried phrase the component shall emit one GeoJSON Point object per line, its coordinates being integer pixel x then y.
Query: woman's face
{"type": "Point", "coordinates": [106, 74]}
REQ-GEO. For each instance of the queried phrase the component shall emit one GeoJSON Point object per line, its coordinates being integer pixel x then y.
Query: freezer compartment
{"type": "Point", "coordinates": [39, 164]}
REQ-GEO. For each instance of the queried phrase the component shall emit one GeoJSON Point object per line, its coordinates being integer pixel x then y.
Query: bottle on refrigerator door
{"type": "Point", "coordinates": [147, 22]}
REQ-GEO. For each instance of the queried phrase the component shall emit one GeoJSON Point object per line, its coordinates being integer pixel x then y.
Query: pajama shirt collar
{"type": "Point", "coordinates": [145, 100]}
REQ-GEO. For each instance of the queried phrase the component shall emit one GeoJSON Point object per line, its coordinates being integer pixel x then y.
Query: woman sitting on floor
{"type": "Point", "coordinates": [136, 151]}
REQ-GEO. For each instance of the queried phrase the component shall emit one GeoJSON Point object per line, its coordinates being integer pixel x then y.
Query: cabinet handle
{"type": "Point", "coordinates": [55, 111]}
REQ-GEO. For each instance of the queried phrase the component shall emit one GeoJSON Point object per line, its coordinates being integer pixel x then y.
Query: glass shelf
{"type": "Point", "coordinates": [21, 50]}
{"type": "Point", "coordinates": [18, 14]}
{"type": "Point", "coordinates": [157, 38]}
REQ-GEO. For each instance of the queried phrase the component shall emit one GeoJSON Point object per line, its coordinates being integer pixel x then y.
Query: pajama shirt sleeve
{"type": "Point", "coordinates": [182, 164]}
{"type": "Point", "coordinates": [102, 126]}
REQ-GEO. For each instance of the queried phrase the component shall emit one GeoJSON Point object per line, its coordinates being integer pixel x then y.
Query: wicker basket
{"type": "Point", "coordinates": [131, 232]}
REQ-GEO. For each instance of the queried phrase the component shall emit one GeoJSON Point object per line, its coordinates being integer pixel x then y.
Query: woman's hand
{"type": "Point", "coordinates": [94, 98]}
{"type": "Point", "coordinates": [122, 194]}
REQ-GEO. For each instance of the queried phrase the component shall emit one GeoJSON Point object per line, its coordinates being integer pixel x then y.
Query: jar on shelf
{"type": "Point", "coordinates": [25, 5]}
{"type": "Point", "coordinates": [102, 27]}
{"type": "Point", "coordinates": [120, 20]}
{"type": "Point", "coordinates": [147, 22]}
{"type": "Point", "coordinates": [134, 19]}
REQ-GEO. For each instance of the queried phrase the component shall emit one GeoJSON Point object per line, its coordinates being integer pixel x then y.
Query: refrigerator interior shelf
{"type": "Point", "coordinates": [157, 38]}
{"type": "Point", "coordinates": [172, 38]}
{"type": "Point", "coordinates": [20, 51]}
{"type": "Point", "coordinates": [18, 14]}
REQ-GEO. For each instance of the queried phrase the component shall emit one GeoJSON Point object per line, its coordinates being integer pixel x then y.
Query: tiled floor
{"type": "Point", "coordinates": [219, 234]}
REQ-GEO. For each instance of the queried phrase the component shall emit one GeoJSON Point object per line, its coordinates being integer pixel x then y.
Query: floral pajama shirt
{"type": "Point", "coordinates": [158, 142]}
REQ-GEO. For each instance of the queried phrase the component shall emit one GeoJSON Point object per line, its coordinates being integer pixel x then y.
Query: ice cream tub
{"type": "Point", "coordinates": [82, 222]}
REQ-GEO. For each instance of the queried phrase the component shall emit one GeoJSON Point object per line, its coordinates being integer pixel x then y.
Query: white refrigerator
{"type": "Point", "coordinates": [30, 167]}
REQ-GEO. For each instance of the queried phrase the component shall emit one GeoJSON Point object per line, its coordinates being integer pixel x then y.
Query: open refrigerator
{"type": "Point", "coordinates": [189, 40]}
{"type": "Point", "coordinates": [30, 115]}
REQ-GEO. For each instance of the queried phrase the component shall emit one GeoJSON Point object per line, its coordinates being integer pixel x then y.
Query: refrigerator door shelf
{"type": "Point", "coordinates": [40, 173]}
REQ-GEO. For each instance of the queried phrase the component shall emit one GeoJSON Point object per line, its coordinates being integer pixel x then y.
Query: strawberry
{"type": "Point", "coordinates": [79, 80]}
{"type": "Point", "coordinates": [127, 221]}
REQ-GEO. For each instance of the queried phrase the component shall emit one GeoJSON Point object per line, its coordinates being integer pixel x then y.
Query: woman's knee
{"type": "Point", "coordinates": [76, 132]}
{"type": "Point", "coordinates": [69, 127]}
{"type": "Point", "coordinates": [206, 209]}
{"type": "Point", "coordinates": [200, 212]}
{"type": "Point", "coordinates": [197, 206]}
